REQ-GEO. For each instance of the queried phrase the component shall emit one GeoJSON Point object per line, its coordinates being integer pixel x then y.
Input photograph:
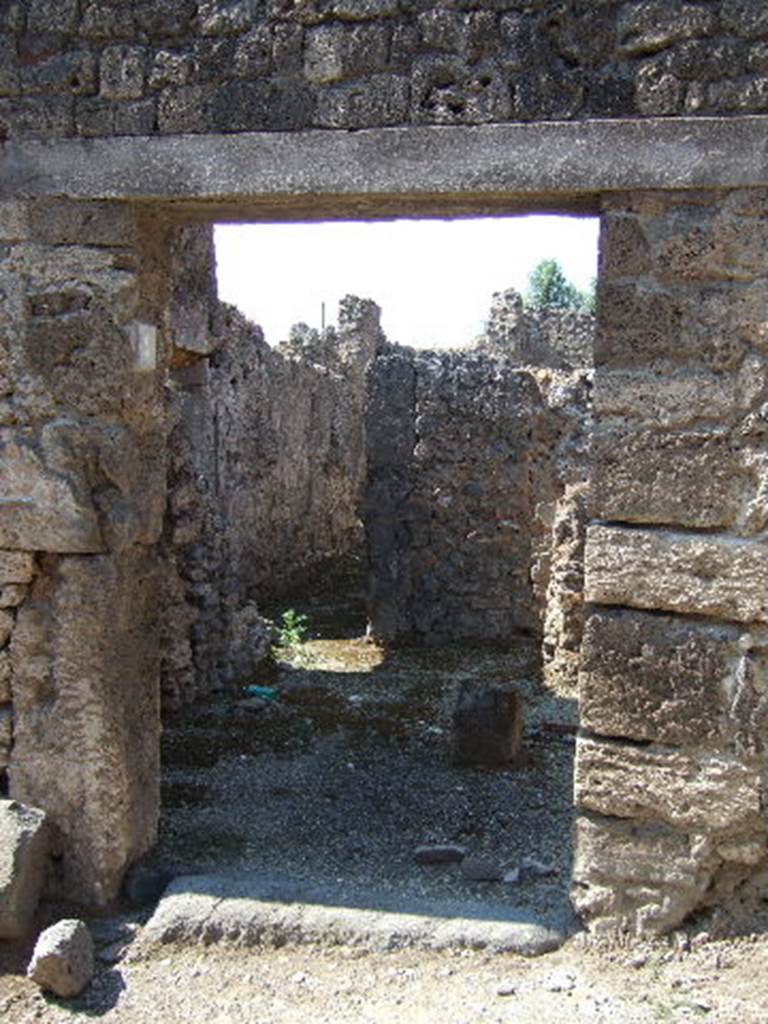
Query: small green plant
{"type": "Point", "coordinates": [292, 630]}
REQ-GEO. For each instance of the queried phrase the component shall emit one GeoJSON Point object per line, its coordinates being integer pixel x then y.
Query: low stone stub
{"type": "Point", "coordinates": [705, 793]}
{"type": "Point", "coordinates": [636, 877]}
{"type": "Point", "coordinates": [685, 479]}
{"type": "Point", "coordinates": [654, 677]}
{"type": "Point", "coordinates": [705, 575]}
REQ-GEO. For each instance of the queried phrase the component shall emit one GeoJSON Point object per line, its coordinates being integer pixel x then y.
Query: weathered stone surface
{"type": "Point", "coordinates": [564, 602]}
{"type": "Point", "coordinates": [16, 567]}
{"type": "Point", "coordinates": [682, 479]}
{"type": "Point", "coordinates": [254, 909]}
{"type": "Point", "coordinates": [411, 169]}
{"type": "Point", "coordinates": [6, 734]}
{"type": "Point", "coordinates": [488, 727]}
{"type": "Point", "coordinates": [45, 501]}
{"type": "Point", "coordinates": [706, 793]}
{"type": "Point", "coordinates": [62, 222]}
{"type": "Point", "coordinates": [640, 878]}
{"type": "Point", "coordinates": [684, 399]}
{"type": "Point", "coordinates": [449, 502]}
{"type": "Point", "coordinates": [84, 639]}
{"type": "Point", "coordinates": [6, 627]}
{"type": "Point", "coordinates": [14, 220]}
{"type": "Point", "coordinates": [23, 864]}
{"type": "Point", "coordinates": [12, 594]}
{"type": "Point", "coordinates": [5, 677]}
{"type": "Point", "coordinates": [653, 677]}
{"type": "Point", "coordinates": [62, 961]}
{"type": "Point", "coordinates": [705, 575]}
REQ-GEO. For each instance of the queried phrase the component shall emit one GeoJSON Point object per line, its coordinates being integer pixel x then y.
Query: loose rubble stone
{"type": "Point", "coordinates": [62, 961]}
{"type": "Point", "coordinates": [24, 843]}
{"type": "Point", "coordinates": [439, 854]}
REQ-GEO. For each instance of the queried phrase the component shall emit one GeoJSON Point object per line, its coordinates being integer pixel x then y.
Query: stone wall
{"type": "Point", "coordinates": [672, 767]}
{"type": "Point", "coordinates": [449, 503]}
{"type": "Point", "coordinates": [474, 460]}
{"type": "Point", "coordinates": [101, 68]}
{"type": "Point", "coordinates": [83, 491]}
{"type": "Point", "coordinates": [266, 469]}
{"type": "Point", "coordinates": [558, 339]}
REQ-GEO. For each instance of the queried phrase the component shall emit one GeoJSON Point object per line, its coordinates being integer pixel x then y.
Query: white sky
{"type": "Point", "coordinates": [432, 278]}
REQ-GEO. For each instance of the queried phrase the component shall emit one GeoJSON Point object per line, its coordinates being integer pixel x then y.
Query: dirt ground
{"type": "Point", "coordinates": [337, 780]}
{"type": "Point", "coordinates": [718, 981]}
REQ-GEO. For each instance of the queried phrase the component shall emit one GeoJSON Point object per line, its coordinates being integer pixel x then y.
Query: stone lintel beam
{"type": "Point", "coordinates": [428, 170]}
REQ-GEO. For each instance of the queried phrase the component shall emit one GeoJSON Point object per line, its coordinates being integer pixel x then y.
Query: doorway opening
{"type": "Point", "coordinates": [376, 561]}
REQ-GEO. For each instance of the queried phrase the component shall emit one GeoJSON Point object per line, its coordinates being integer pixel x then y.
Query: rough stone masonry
{"type": "Point", "coordinates": [121, 122]}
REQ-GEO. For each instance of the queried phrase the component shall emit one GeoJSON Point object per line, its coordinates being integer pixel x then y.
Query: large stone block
{"type": "Point", "coordinates": [45, 501]}
{"type": "Point", "coordinates": [701, 575]}
{"type": "Point", "coordinates": [77, 489]}
{"type": "Point", "coordinates": [24, 840]}
{"type": "Point", "coordinates": [683, 399]}
{"type": "Point", "coordinates": [86, 713]}
{"type": "Point", "coordinates": [636, 325]}
{"type": "Point", "coordinates": [63, 222]}
{"type": "Point", "coordinates": [683, 479]}
{"type": "Point", "coordinates": [706, 793]}
{"type": "Point", "coordinates": [638, 878]}
{"type": "Point", "coordinates": [654, 677]}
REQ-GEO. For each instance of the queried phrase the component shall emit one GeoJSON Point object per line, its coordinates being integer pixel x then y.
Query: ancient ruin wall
{"type": "Point", "coordinates": [472, 459]}
{"type": "Point", "coordinates": [671, 770]}
{"type": "Point", "coordinates": [266, 470]}
{"type": "Point", "coordinates": [449, 502]}
{"type": "Point", "coordinates": [100, 68]}
{"type": "Point", "coordinates": [83, 491]}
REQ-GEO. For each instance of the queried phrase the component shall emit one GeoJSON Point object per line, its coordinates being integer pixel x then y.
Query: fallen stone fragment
{"type": "Point", "coordinates": [480, 869]}
{"type": "Point", "coordinates": [23, 864]}
{"type": "Point", "coordinates": [440, 853]}
{"type": "Point", "coordinates": [532, 868]}
{"type": "Point", "coordinates": [506, 988]}
{"type": "Point", "coordinates": [62, 961]}
{"type": "Point", "coordinates": [512, 876]}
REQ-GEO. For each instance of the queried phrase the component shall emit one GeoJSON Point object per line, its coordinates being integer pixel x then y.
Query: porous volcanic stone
{"type": "Point", "coordinates": [62, 961]}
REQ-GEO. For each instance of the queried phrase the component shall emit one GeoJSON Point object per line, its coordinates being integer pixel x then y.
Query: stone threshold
{"type": "Point", "coordinates": [250, 909]}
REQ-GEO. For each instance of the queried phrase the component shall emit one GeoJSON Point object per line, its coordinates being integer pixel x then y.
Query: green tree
{"type": "Point", "coordinates": [549, 288]}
